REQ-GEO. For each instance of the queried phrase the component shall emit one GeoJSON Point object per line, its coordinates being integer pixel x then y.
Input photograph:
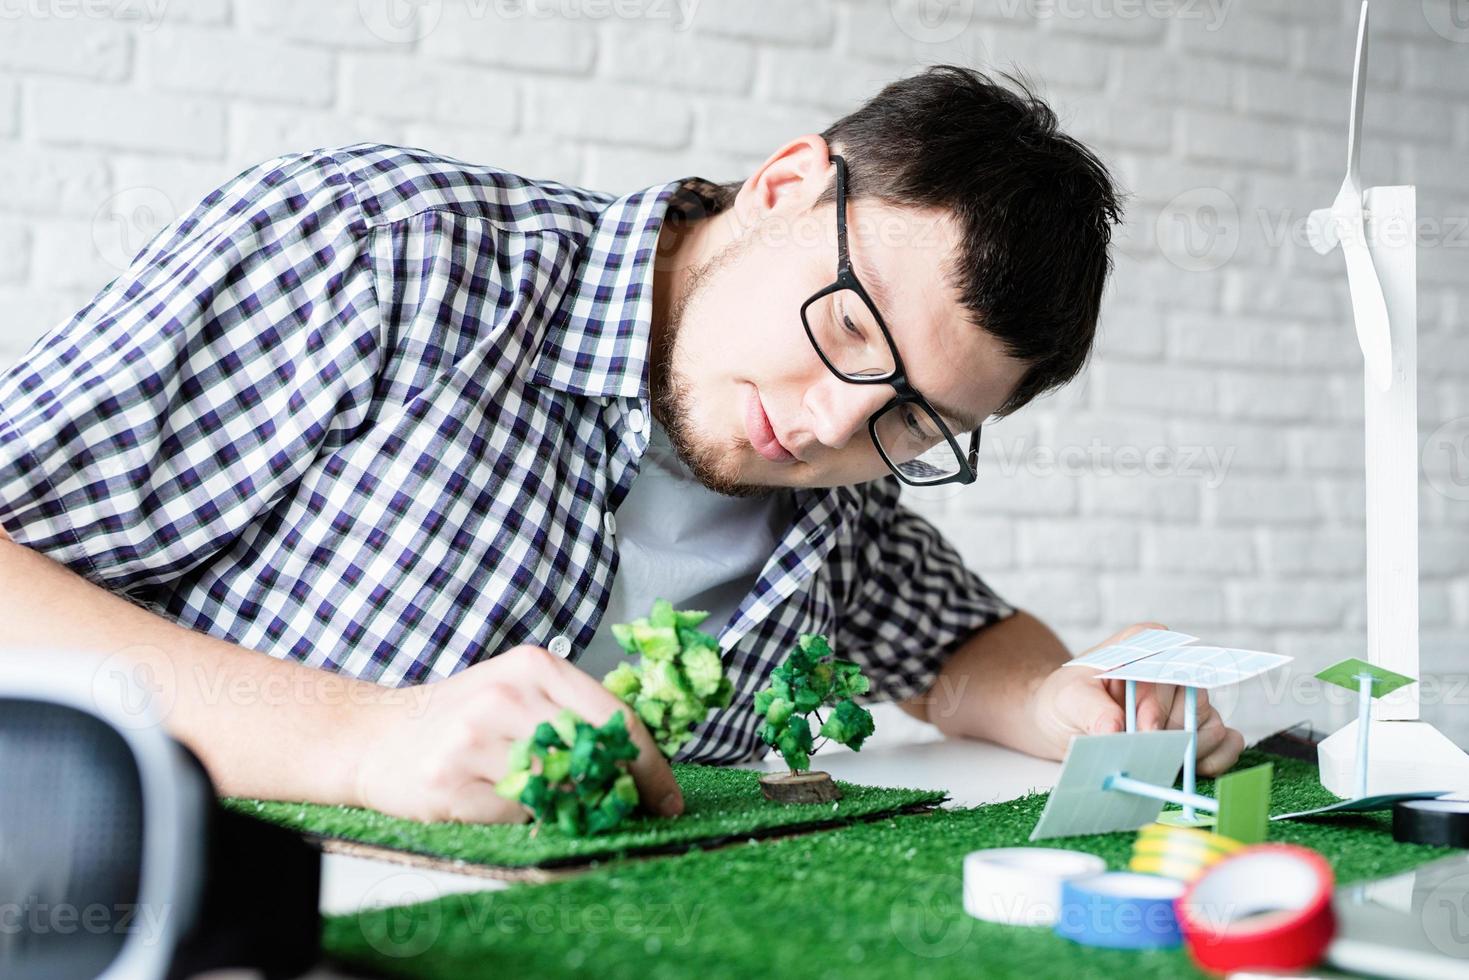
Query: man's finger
{"type": "Point", "coordinates": [1153, 704]}
{"type": "Point", "coordinates": [1225, 755]}
{"type": "Point", "coordinates": [477, 802]}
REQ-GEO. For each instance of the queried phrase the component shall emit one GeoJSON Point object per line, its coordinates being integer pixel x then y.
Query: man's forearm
{"type": "Point", "coordinates": [986, 688]}
{"type": "Point", "coordinates": [262, 726]}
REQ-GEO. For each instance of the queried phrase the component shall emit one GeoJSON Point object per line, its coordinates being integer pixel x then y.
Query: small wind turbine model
{"type": "Point", "coordinates": [1408, 755]}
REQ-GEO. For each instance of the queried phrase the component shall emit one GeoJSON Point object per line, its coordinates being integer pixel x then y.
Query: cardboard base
{"type": "Point", "coordinates": [1402, 757]}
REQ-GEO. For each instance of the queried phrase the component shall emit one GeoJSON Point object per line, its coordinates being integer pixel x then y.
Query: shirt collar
{"type": "Point", "coordinates": [597, 343]}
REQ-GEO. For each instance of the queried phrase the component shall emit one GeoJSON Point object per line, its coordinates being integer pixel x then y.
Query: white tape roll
{"type": "Point", "coordinates": [1021, 886]}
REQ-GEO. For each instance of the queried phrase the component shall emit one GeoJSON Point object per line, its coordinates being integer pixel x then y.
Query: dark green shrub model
{"type": "Point", "coordinates": [809, 679]}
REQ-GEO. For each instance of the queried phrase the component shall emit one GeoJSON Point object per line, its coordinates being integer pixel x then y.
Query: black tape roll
{"type": "Point", "coordinates": [1444, 823]}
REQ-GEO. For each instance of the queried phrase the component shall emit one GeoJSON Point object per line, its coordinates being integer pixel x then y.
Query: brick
{"type": "Point", "coordinates": [529, 156]}
{"type": "Point", "coordinates": [1218, 138]}
{"type": "Point", "coordinates": [622, 169]}
{"type": "Point", "coordinates": [834, 82]}
{"type": "Point", "coordinates": [1165, 78]}
{"type": "Point", "coordinates": [1207, 338]}
{"type": "Point", "coordinates": [1084, 543]}
{"type": "Point", "coordinates": [1172, 389]}
{"type": "Point", "coordinates": [259, 132]}
{"type": "Point", "coordinates": [15, 245]}
{"type": "Point", "coordinates": [1142, 497]}
{"type": "Point", "coordinates": [1053, 596]}
{"type": "Point", "coordinates": [95, 49]}
{"type": "Point", "coordinates": [1313, 552]}
{"type": "Point", "coordinates": [1334, 450]}
{"type": "Point", "coordinates": [52, 181]}
{"type": "Point", "coordinates": [9, 106]}
{"type": "Point", "coordinates": [769, 21]}
{"type": "Point", "coordinates": [1273, 396]}
{"type": "Point", "coordinates": [602, 113]}
{"type": "Point", "coordinates": [507, 35]}
{"type": "Point", "coordinates": [1234, 445]}
{"type": "Point", "coordinates": [1245, 499]}
{"type": "Point", "coordinates": [66, 255]}
{"type": "Point", "coordinates": [739, 126]}
{"type": "Point", "coordinates": [80, 113]}
{"type": "Point", "coordinates": [1188, 603]}
{"type": "Point", "coordinates": [694, 64]}
{"type": "Point", "coordinates": [985, 543]}
{"type": "Point", "coordinates": [1126, 23]}
{"type": "Point", "coordinates": [1198, 550]}
{"type": "Point", "coordinates": [1291, 604]}
{"type": "Point", "coordinates": [333, 25]}
{"type": "Point", "coordinates": [221, 62]}
{"type": "Point", "coordinates": [394, 87]}
{"type": "Point", "coordinates": [1236, 37]}
{"type": "Point", "coordinates": [30, 313]}
{"type": "Point", "coordinates": [1052, 58]}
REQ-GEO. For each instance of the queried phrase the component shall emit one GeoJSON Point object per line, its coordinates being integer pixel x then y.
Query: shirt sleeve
{"type": "Point", "coordinates": [911, 602]}
{"type": "Point", "coordinates": [188, 397]}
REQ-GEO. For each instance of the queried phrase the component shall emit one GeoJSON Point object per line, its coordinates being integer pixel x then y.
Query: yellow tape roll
{"type": "Point", "coordinates": [1183, 853]}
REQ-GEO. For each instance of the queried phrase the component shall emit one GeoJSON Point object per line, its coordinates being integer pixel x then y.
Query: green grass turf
{"type": "Point", "coordinates": [719, 804]}
{"type": "Point", "coordinates": [877, 899]}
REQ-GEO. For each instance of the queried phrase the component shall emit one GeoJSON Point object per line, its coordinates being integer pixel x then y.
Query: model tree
{"type": "Point", "coordinates": [811, 678]}
{"type": "Point", "coordinates": [679, 677]}
{"type": "Point", "coordinates": [582, 786]}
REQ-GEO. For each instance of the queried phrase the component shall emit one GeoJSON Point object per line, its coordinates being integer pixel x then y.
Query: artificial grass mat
{"type": "Point", "coordinates": [720, 804]}
{"type": "Point", "coordinates": [879, 899]}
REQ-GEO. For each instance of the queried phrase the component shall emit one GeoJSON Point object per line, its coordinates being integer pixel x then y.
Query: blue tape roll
{"type": "Point", "coordinates": [1120, 910]}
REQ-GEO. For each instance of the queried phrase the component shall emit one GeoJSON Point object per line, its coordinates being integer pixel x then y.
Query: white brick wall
{"type": "Point", "coordinates": [1206, 473]}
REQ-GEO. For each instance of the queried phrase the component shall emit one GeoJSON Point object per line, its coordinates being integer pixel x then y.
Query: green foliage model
{"type": "Point", "coordinates": [679, 678]}
{"type": "Point", "coordinates": [581, 787]}
{"type": "Point", "coordinates": [810, 678]}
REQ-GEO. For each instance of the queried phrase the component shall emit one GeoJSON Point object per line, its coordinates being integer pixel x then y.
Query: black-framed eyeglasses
{"type": "Point", "coordinates": [852, 340]}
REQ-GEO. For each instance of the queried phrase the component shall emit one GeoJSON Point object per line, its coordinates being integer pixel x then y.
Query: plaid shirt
{"type": "Point", "coordinates": [371, 409]}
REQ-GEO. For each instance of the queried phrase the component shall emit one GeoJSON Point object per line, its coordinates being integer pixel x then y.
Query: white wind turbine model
{"type": "Point", "coordinates": [1377, 233]}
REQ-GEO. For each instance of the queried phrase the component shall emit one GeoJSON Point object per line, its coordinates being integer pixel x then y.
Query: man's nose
{"type": "Point", "coordinates": [840, 410]}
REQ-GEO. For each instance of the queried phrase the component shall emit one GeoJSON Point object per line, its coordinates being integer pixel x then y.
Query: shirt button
{"type": "Point", "coordinates": [637, 420]}
{"type": "Point", "coordinates": [609, 521]}
{"type": "Point", "coordinates": [560, 646]}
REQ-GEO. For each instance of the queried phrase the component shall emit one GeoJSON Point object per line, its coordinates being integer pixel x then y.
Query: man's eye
{"type": "Point", "coordinates": [916, 422]}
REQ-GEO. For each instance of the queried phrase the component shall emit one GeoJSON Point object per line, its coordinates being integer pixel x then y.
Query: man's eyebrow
{"type": "Point", "coordinates": [877, 288]}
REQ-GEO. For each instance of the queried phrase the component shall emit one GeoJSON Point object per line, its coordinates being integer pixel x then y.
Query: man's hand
{"type": "Point", "coordinates": [437, 754]}
{"type": "Point", "coordinates": [1072, 701]}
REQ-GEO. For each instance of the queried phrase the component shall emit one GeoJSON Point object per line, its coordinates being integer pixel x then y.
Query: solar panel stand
{"type": "Point", "coordinates": [1190, 801]}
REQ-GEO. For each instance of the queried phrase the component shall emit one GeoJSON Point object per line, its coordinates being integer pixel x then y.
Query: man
{"type": "Point", "coordinates": [421, 430]}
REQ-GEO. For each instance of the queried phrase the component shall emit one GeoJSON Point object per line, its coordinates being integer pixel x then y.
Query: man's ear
{"type": "Point", "coordinates": [790, 180]}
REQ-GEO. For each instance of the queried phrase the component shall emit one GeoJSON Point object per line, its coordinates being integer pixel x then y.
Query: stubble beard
{"type": "Point", "coordinates": [673, 392]}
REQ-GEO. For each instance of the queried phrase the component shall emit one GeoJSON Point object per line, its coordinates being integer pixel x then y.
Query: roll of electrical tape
{"type": "Point", "coordinates": [1444, 823]}
{"type": "Point", "coordinates": [1266, 908]}
{"type": "Point", "coordinates": [1179, 852]}
{"type": "Point", "coordinates": [1120, 910]}
{"type": "Point", "coordinates": [1021, 886]}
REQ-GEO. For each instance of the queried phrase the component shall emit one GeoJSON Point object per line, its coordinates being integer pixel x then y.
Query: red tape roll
{"type": "Point", "coordinates": [1267, 907]}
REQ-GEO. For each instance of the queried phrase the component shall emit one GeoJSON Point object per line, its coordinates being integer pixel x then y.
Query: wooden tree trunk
{"type": "Point", "coordinates": [799, 787]}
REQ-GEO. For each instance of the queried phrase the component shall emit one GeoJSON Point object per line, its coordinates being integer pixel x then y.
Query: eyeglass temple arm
{"type": "Point", "coordinates": [843, 261]}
